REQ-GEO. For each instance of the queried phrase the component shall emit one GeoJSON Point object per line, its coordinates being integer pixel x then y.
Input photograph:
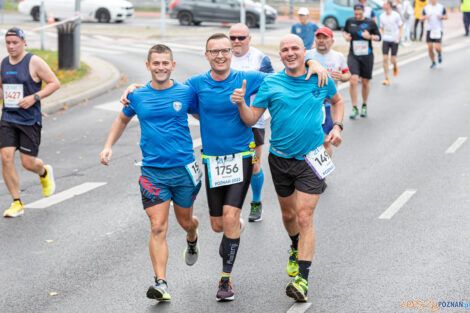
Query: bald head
{"type": "Point", "coordinates": [240, 39]}
{"type": "Point", "coordinates": [291, 38]}
{"type": "Point", "coordinates": [292, 52]}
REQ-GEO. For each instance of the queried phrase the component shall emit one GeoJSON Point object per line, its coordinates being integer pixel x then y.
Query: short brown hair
{"type": "Point", "coordinates": [216, 36]}
{"type": "Point", "coordinates": [160, 48]}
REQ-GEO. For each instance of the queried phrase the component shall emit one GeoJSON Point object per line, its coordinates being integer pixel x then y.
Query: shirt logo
{"type": "Point", "coordinates": [177, 106]}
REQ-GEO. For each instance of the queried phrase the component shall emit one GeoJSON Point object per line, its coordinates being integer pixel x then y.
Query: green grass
{"type": "Point", "coordinates": [11, 5]}
{"type": "Point", "coordinates": [146, 9]}
{"type": "Point", "coordinates": [64, 76]}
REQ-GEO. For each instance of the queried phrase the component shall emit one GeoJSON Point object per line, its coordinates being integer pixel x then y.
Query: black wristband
{"type": "Point", "coordinates": [339, 124]}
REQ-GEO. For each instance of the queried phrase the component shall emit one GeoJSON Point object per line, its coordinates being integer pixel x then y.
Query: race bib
{"type": "Point", "coordinates": [389, 31]}
{"type": "Point", "coordinates": [195, 172]}
{"type": "Point", "coordinates": [320, 162]}
{"type": "Point", "coordinates": [225, 170]}
{"type": "Point", "coordinates": [360, 47]}
{"type": "Point", "coordinates": [12, 95]}
{"type": "Point", "coordinates": [435, 34]}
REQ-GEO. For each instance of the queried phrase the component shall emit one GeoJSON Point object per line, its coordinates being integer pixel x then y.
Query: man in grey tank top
{"type": "Point", "coordinates": [21, 76]}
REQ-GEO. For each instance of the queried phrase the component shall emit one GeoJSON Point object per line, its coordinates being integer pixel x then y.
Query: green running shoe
{"type": "Point", "coordinates": [292, 265]}
{"type": "Point", "coordinates": [159, 291]}
{"type": "Point", "coordinates": [256, 211]}
{"type": "Point", "coordinates": [297, 288]}
{"type": "Point", "coordinates": [354, 113]}
{"type": "Point", "coordinates": [364, 111]}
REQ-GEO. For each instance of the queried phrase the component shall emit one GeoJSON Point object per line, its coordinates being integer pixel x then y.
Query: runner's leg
{"type": "Point", "coordinates": [187, 221]}
{"type": "Point", "coordinates": [353, 82]}
{"type": "Point", "coordinates": [365, 89]}
{"type": "Point", "coordinates": [158, 215]}
{"type": "Point", "coordinates": [10, 176]}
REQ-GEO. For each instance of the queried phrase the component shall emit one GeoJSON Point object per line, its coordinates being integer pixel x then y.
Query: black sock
{"type": "Point", "coordinates": [191, 243]}
{"type": "Point", "coordinates": [156, 280]}
{"type": "Point", "coordinates": [18, 199]}
{"type": "Point", "coordinates": [45, 173]}
{"type": "Point", "coordinates": [295, 241]}
{"type": "Point", "coordinates": [304, 268]}
{"type": "Point", "coordinates": [364, 105]}
{"type": "Point", "coordinates": [230, 248]}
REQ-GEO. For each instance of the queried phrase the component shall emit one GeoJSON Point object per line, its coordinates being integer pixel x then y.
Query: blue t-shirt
{"type": "Point", "coordinates": [306, 32]}
{"type": "Point", "coordinates": [222, 130]}
{"type": "Point", "coordinates": [295, 105]}
{"type": "Point", "coordinates": [165, 139]}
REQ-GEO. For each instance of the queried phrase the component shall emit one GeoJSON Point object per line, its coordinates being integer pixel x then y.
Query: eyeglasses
{"type": "Point", "coordinates": [215, 52]}
{"type": "Point", "coordinates": [240, 38]}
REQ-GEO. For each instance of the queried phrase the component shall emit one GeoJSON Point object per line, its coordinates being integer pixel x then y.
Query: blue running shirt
{"type": "Point", "coordinates": [165, 139]}
{"type": "Point", "coordinates": [222, 130]}
{"type": "Point", "coordinates": [295, 105]}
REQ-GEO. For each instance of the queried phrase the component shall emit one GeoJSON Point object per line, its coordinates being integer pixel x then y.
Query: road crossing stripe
{"type": "Point", "coordinates": [299, 307]}
{"type": "Point", "coordinates": [100, 51]}
{"type": "Point", "coordinates": [64, 195]}
{"type": "Point", "coordinates": [456, 145]}
{"type": "Point", "coordinates": [398, 204]}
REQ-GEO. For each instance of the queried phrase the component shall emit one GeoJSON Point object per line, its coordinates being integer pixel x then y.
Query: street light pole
{"type": "Point", "coordinates": [163, 18]}
{"type": "Point", "coordinates": [77, 36]}
{"type": "Point", "coordinates": [242, 12]}
{"type": "Point", "coordinates": [42, 22]}
{"type": "Point", "coordinates": [262, 20]}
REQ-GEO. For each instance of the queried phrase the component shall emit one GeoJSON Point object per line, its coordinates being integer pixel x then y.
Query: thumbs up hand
{"type": "Point", "coordinates": [238, 95]}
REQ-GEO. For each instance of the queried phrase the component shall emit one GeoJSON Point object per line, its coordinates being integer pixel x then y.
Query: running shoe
{"type": "Point", "coordinates": [16, 209]}
{"type": "Point", "coordinates": [292, 265]}
{"type": "Point", "coordinates": [255, 213]}
{"type": "Point", "coordinates": [439, 58]}
{"type": "Point", "coordinates": [433, 64]}
{"type": "Point", "coordinates": [386, 82]}
{"type": "Point", "coordinates": [395, 70]}
{"type": "Point", "coordinates": [364, 111]}
{"type": "Point", "coordinates": [297, 288]}
{"type": "Point", "coordinates": [225, 292]}
{"type": "Point", "coordinates": [354, 113]}
{"type": "Point", "coordinates": [159, 291]}
{"type": "Point", "coordinates": [48, 183]}
{"type": "Point", "coordinates": [191, 253]}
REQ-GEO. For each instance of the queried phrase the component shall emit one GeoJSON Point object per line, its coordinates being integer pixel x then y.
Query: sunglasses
{"type": "Point", "coordinates": [240, 38]}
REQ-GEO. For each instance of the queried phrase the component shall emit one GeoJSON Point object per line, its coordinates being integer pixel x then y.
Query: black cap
{"type": "Point", "coordinates": [359, 6]}
{"type": "Point", "coordinates": [15, 31]}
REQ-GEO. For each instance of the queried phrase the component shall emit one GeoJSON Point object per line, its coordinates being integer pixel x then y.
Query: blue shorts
{"type": "Point", "coordinates": [328, 125]}
{"type": "Point", "coordinates": [158, 185]}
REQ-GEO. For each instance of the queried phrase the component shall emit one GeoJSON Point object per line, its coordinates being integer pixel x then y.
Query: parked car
{"type": "Point", "coordinates": [104, 11]}
{"type": "Point", "coordinates": [193, 12]}
{"type": "Point", "coordinates": [336, 12]}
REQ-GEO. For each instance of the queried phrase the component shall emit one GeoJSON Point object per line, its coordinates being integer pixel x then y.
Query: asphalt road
{"type": "Point", "coordinates": [92, 249]}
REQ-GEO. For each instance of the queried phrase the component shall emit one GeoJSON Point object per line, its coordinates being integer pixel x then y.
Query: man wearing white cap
{"type": "Point", "coordinates": [305, 29]}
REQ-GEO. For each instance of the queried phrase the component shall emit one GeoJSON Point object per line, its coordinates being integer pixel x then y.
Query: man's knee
{"type": "Point", "coordinates": [8, 156]}
{"type": "Point", "coordinates": [305, 218]}
{"type": "Point", "coordinates": [231, 217]}
{"type": "Point", "coordinates": [288, 215]}
{"type": "Point", "coordinates": [354, 80]}
{"type": "Point", "coordinates": [28, 163]}
{"type": "Point", "coordinates": [158, 229]}
{"type": "Point", "coordinates": [217, 225]}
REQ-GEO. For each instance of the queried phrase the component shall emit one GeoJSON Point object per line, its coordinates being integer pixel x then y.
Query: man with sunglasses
{"type": "Point", "coordinates": [246, 58]}
{"type": "Point", "coordinates": [226, 145]}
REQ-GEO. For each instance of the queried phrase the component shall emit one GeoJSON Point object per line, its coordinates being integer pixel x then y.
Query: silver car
{"type": "Point", "coordinates": [193, 12]}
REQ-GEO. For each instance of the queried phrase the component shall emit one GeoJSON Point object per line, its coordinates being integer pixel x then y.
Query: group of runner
{"type": "Point", "coordinates": [229, 100]}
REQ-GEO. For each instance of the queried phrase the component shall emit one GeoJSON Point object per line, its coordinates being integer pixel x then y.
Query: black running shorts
{"type": "Point", "coordinates": [24, 137]}
{"type": "Point", "coordinates": [291, 174]}
{"type": "Point", "coordinates": [233, 195]}
{"type": "Point", "coordinates": [361, 65]}
{"type": "Point", "coordinates": [389, 45]}
{"type": "Point", "coordinates": [428, 37]}
{"type": "Point", "coordinates": [258, 134]}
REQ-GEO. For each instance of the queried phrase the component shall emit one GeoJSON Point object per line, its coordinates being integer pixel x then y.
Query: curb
{"type": "Point", "coordinates": [102, 78]}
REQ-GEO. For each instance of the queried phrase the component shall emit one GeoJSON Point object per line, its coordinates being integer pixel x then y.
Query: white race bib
{"type": "Point", "coordinates": [360, 47]}
{"type": "Point", "coordinates": [320, 162]}
{"type": "Point", "coordinates": [225, 170]}
{"type": "Point", "coordinates": [12, 95]}
{"type": "Point", "coordinates": [435, 34]}
{"type": "Point", "coordinates": [389, 31]}
{"type": "Point", "coordinates": [195, 172]}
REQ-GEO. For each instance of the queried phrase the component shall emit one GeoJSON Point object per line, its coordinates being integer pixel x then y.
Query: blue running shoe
{"type": "Point", "coordinates": [439, 58]}
{"type": "Point", "coordinates": [433, 64]}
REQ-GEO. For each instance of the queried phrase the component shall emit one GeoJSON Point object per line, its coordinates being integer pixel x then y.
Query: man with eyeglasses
{"type": "Point", "coordinates": [246, 58]}
{"type": "Point", "coordinates": [226, 142]}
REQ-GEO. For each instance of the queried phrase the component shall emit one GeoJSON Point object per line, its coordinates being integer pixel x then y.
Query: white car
{"type": "Point", "coordinates": [104, 11]}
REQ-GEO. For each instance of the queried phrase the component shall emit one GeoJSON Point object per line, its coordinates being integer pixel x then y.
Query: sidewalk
{"type": "Point", "coordinates": [103, 77]}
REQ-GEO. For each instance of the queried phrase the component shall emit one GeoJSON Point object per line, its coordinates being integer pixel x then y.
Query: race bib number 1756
{"type": "Point", "coordinates": [225, 170]}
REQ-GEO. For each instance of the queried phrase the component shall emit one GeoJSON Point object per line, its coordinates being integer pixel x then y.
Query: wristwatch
{"type": "Point", "coordinates": [339, 124]}
{"type": "Point", "coordinates": [36, 97]}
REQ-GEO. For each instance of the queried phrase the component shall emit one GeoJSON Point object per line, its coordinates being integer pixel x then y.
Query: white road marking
{"type": "Point", "coordinates": [299, 307]}
{"type": "Point", "coordinates": [101, 51]}
{"type": "Point", "coordinates": [64, 195]}
{"type": "Point", "coordinates": [456, 145]}
{"type": "Point", "coordinates": [114, 106]}
{"type": "Point", "coordinates": [398, 204]}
